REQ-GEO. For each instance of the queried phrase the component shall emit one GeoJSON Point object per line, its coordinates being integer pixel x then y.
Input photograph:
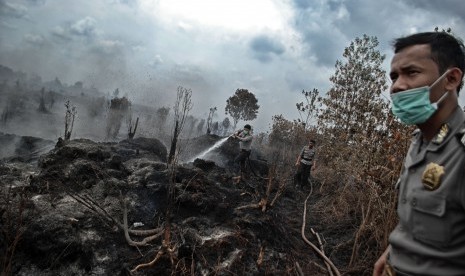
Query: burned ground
{"type": "Point", "coordinates": [63, 214]}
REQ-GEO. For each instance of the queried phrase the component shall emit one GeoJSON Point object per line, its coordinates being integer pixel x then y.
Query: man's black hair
{"type": "Point", "coordinates": [446, 50]}
{"type": "Point", "coordinates": [248, 127]}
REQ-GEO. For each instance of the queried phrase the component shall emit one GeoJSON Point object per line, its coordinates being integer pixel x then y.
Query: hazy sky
{"type": "Point", "coordinates": [147, 48]}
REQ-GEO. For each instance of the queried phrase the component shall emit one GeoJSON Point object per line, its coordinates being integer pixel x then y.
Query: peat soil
{"type": "Point", "coordinates": [89, 208]}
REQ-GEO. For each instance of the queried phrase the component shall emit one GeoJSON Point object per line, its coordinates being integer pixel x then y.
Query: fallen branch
{"type": "Point", "coordinates": [268, 189]}
{"type": "Point", "coordinates": [299, 269]}
{"type": "Point", "coordinates": [322, 255]}
{"type": "Point", "coordinates": [322, 249]}
{"type": "Point", "coordinates": [165, 249]}
{"type": "Point", "coordinates": [282, 185]}
{"type": "Point", "coordinates": [260, 256]}
{"type": "Point", "coordinates": [95, 207]}
{"type": "Point", "coordinates": [261, 204]}
{"type": "Point", "coordinates": [158, 256]}
{"type": "Point", "coordinates": [319, 267]}
{"type": "Point", "coordinates": [145, 241]}
{"type": "Point", "coordinates": [264, 201]}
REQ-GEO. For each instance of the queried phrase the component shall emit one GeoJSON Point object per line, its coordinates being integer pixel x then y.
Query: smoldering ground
{"type": "Point", "coordinates": [68, 195]}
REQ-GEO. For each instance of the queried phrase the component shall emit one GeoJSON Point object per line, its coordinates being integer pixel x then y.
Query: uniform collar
{"type": "Point", "coordinates": [445, 133]}
{"type": "Point", "coordinates": [447, 130]}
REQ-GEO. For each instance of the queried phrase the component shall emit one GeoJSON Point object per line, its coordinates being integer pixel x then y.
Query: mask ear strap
{"type": "Point", "coordinates": [442, 97]}
{"type": "Point", "coordinates": [440, 78]}
{"type": "Point", "coordinates": [440, 100]}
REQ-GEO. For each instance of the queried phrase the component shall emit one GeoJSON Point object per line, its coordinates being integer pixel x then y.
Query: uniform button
{"type": "Point", "coordinates": [412, 170]}
{"type": "Point", "coordinates": [404, 201]}
{"type": "Point", "coordinates": [414, 202]}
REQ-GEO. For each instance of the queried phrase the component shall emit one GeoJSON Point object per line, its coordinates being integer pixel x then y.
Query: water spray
{"type": "Point", "coordinates": [215, 146]}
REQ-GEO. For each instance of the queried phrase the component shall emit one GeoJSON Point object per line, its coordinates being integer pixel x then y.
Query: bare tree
{"type": "Point", "coordinates": [308, 111]}
{"type": "Point", "coordinates": [210, 119]}
{"type": "Point", "coordinates": [182, 107]}
{"type": "Point", "coordinates": [69, 120]}
{"type": "Point", "coordinates": [132, 132]}
{"type": "Point", "coordinates": [42, 108]}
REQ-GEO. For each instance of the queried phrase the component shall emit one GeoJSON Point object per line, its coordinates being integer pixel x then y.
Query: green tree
{"type": "Point", "coordinates": [354, 104]}
{"type": "Point", "coordinates": [361, 147]}
{"type": "Point", "coordinates": [242, 106]}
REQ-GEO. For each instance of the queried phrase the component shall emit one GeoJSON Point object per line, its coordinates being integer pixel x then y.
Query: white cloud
{"type": "Point", "coordinates": [60, 32]}
{"type": "Point", "coordinates": [34, 39]}
{"type": "Point", "coordinates": [109, 45]}
{"type": "Point", "coordinates": [84, 27]}
{"type": "Point", "coordinates": [238, 15]}
{"type": "Point", "coordinates": [184, 26]}
{"type": "Point", "coordinates": [138, 48]}
{"type": "Point", "coordinates": [15, 10]}
{"type": "Point", "coordinates": [274, 48]}
{"type": "Point", "coordinates": [157, 60]}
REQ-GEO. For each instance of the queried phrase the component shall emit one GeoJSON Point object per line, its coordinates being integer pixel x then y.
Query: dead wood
{"type": "Point", "coordinates": [322, 255]}
{"type": "Point", "coordinates": [88, 202]}
{"type": "Point", "coordinates": [322, 250]}
{"type": "Point", "coordinates": [299, 269]}
{"type": "Point", "coordinates": [145, 241]}
{"type": "Point", "coordinates": [261, 204]}
{"type": "Point", "coordinates": [260, 256]}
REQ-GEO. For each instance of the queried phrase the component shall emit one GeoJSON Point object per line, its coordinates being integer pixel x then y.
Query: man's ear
{"type": "Point", "coordinates": [454, 77]}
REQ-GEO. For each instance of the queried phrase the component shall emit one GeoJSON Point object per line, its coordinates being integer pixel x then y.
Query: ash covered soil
{"type": "Point", "coordinates": [88, 208]}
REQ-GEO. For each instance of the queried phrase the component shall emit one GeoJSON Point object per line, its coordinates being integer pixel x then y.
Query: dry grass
{"type": "Point", "coordinates": [12, 207]}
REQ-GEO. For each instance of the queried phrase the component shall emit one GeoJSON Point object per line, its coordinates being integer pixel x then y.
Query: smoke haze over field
{"type": "Point", "coordinates": [146, 48]}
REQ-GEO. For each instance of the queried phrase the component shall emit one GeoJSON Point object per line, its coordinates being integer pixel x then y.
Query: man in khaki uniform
{"type": "Point", "coordinates": [426, 73]}
{"type": "Point", "coordinates": [305, 164]}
